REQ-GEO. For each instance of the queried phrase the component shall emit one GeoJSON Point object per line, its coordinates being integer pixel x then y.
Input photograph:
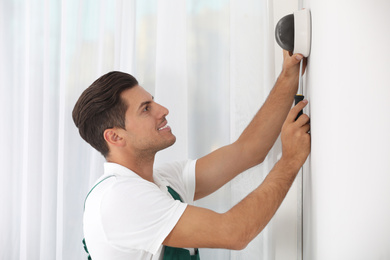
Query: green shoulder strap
{"type": "Point", "coordinates": [174, 194]}
{"type": "Point", "coordinates": [95, 187]}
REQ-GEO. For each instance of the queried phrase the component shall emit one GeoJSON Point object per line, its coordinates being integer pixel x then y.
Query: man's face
{"type": "Point", "coordinates": [146, 125]}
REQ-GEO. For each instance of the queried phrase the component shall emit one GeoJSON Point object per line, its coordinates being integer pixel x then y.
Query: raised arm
{"type": "Point", "coordinates": [253, 145]}
{"type": "Point", "coordinates": [234, 229]}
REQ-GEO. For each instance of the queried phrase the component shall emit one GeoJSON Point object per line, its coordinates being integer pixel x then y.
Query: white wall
{"type": "Point", "coordinates": [347, 191]}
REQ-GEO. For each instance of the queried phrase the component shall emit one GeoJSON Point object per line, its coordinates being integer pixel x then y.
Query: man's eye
{"type": "Point", "coordinates": [146, 108]}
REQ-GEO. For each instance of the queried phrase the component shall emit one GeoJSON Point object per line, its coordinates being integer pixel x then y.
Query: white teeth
{"type": "Point", "coordinates": [163, 127]}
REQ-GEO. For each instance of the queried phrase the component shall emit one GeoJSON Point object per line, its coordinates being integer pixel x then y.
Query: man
{"type": "Point", "coordinates": [131, 212]}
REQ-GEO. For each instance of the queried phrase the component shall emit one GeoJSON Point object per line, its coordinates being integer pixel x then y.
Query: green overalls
{"type": "Point", "coordinates": [170, 253]}
{"type": "Point", "coordinates": [173, 253]}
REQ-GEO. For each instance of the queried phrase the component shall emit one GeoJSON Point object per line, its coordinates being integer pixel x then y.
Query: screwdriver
{"type": "Point", "coordinates": [299, 96]}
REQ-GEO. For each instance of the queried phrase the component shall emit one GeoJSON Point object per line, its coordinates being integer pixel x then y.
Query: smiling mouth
{"type": "Point", "coordinates": [164, 127]}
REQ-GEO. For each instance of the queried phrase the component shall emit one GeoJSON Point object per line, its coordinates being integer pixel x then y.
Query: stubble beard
{"type": "Point", "coordinates": [152, 148]}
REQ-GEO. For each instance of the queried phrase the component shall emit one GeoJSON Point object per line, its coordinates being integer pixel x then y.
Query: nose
{"type": "Point", "coordinates": [163, 111]}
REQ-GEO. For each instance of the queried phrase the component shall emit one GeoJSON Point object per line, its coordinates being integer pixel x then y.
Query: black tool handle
{"type": "Point", "coordinates": [298, 98]}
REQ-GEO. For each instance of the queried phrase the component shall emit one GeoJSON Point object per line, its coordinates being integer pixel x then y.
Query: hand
{"type": "Point", "coordinates": [296, 140]}
{"type": "Point", "coordinates": [291, 64]}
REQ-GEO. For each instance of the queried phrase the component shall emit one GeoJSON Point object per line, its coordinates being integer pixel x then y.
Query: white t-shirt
{"type": "Point", "coordinates": [127, 217]}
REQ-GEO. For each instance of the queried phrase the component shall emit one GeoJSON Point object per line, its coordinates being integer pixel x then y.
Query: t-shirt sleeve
{"type": "Point", "coordinates": [138, 215]}
{"type": "Point", "coordinates": [181, 177]}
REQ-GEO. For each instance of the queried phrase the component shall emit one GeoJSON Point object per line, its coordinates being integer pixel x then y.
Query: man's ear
{"type": "Point", "coordinates": [112, 137]}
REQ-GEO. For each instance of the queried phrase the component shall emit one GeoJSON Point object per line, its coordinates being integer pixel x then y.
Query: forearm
{"type": "Point", "coordinates": [260, 135]}
{"type": "Point", "coordinates": [199, 227]}
{"type": "Point", "coordinates": [252, 214]}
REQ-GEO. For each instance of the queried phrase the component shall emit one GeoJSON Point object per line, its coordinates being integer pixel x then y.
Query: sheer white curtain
{"type": "Point", "coordinates": [210, 62]}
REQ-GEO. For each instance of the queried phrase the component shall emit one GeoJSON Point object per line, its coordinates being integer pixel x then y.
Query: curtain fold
{"type": "Point", "coordinates": [209, 62]}
{"type": "Point", "coordinates": [171, 74]}
{"type": "Point", "coordinates": [250, 86]}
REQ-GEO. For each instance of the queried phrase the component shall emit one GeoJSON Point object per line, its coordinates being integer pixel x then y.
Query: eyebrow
{"type": "Point", "coordinates": [145, 103]}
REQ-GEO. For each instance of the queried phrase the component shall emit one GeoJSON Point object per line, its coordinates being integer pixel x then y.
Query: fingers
{"type": "Point", "coordinates": [303, 120]}
{"type": "Point", "coordinates": [297, 57]}
{"type": "Point", "coordinates": [291, 59]}
{"type": "Point", "coordinates": [296, 140]}
{"type": "Point", "coordinates": [286, 54]}
{"type": "Point", "coordinates": [306, 128]}
{"type": "Point", "coordinates": [295, 110]}
{"type": "Point", "coordinates": [291, 63]}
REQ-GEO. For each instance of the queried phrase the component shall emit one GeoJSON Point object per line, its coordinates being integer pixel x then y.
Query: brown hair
{"type": "Point", "coordinates": [100, 107]}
